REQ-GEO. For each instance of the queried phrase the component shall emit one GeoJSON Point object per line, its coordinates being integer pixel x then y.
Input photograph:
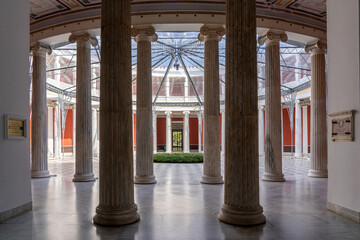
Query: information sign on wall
{"type": "Point", "coordinates": [342, 126]}
{"type": "Point", "coordinates": [15, 127]}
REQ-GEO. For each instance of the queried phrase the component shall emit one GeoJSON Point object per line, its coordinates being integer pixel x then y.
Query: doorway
{"type": "Point", "coordinates": [177, 140]}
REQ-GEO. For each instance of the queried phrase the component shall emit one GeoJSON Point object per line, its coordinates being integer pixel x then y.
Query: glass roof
{"type": "Point", "coordinates": [177, 66]}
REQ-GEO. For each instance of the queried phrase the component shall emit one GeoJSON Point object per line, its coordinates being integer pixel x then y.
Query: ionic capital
{"type": "Point", "coordinates": [40, 49]}
{"type": "Point", "coordinates": [261, 107]}
{"type": "Point", "coordinates": [199, 114]}
{"type": "Point", "coordinates": [211, 32]}
{"type": "Point", "coordinates": [168, 113]}
{"type": "Point", "coordinates": [144, 33]}
{"type": "Point", "coordinates": [186, 113]}
{"type": "Point", "coordinates": [83, 37]}
{"type": "Point", "coordinates": [272, 36]}
{"type": "Point", "coordinates": [317, 47]}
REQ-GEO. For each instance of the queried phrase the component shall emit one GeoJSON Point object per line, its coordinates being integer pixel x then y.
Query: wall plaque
{"type": "Point", "coordinates": [342, 126]}
{"type": "Point", "coordinates": [15, 127]}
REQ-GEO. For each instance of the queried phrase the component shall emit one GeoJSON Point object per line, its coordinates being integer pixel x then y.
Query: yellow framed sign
{"type": "Point", "coordinates": [15, 127]}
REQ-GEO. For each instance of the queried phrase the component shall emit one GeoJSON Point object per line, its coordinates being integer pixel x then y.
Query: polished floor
{"type": "Point", "coordinates": [179, 207]}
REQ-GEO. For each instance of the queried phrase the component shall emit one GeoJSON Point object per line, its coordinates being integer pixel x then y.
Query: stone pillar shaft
{"type": "Point", "coordinates": [116, 190]}
{"type": "Point", "coordinates": [211, 35]}
{"type": "Point", "coordinates": [143, 35]}
{"type": "Point", "coordinates": [261, 131]}
{"type": "Point", "coordinates": [74, 131]}
{"type": "Point", "coordinates": [318, 153]}
{"type": "Point", "coordinates": [223, 131]}
{"type": "Point", "coordinates": [57, 131]}
{"type": "Point", "coordinates": [305, 132]}
{"type": "Point", "coordinates": [95, 132]}
{"type": "Point", "coordinates": [50, 120]}
{"type": "Point", "coordinates": [186, 132]}
{"type": "Point", "coordinates": [84, 146]}
{"type": "Point", "coordinates": [241, 190]}
{"type": "Point", "coordinates": [168, 133]}
{"type": "Point", "coordinates": [199, 131]}
{"type": "Point", "coordinates": [273, 151]}
{"type": "Point", "coordinates": [39, 158]}
{"type": "Point", "coordinates": [155, 131]}
{"type": "Point", "coordinates": [298, 132]}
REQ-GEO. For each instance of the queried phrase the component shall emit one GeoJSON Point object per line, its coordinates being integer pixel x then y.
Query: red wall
{"type": "Point", "coordinates": [68, 133]}
{"type": "Point", "coordinates": [286, 128]}
{"type": "Point", "coordinates": [134, 133]}
{"type": "Point", "coordinates": [161, 131]}
{"type": "Point", "coordinates": [193, 131]}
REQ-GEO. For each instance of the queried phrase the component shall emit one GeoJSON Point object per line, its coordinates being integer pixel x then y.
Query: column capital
{"type": "Point", "coordinates": [51, 104]}
{"type": "Point", "coordinates": [317, 47]}
{"type": "Point", "coordinates": [261, 107]}
{"type": "Point", "coordinates": [144, 33]}
{"type": "Point", "coordinates": [272, 36]}
{"type": "Point", "coordinates": [84, 37]}
{"type": "Point", "coordinates": [211, 32]}
{"type": "Point", "coordinates": [199, 114]}
{"type": "Point", "coordinates": [168, 113]}
{"type": "Point", "coordinates": [40, 49]}
{"type": "Point", "coordinates": [222, 111]}
{"type": "Point", "coordinates": [186, 113]}
{"type": "Point", "coordinates": [154, 113]}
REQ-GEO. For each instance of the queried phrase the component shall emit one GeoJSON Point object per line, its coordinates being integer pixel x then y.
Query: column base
{"type": "Point", "coordinates": [298, 155]}
{"type": "Point", "coordinates": [144, 179]}
{"type": "Point", "coordinates": [212, 180]}
{"type": "Point", "coordinates": [270, 177]}
{"type": "Point", "coordinates": [244, 217]}
{"type": "Point", "coordinates": [317, 174]}
{"type": "Point", "coordinates": [40, 174]}
{"type": "Point", "coordinates": [112, 216]}
{"type": "Point", "coordinates": [84, 177]}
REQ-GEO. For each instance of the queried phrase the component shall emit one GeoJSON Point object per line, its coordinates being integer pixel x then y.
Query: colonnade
{"type": "Point", "coordinates": [241, 190]}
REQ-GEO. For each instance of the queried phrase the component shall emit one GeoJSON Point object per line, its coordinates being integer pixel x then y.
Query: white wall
{"type": "Point", "coordinates": [344, 94]}
{"type": "Point", "coordinates": [15, 183]}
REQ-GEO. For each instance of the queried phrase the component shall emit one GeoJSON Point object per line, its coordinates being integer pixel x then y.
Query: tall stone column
{"type": "Point", "coordinates": [39, 158]}
{"type": "Point", "coordinates": [305, 132]}
{"type": "Point", "coordinates": [155, 131]}
{"type": "Point", "coordinates": [282, 129]}
{"type": "Point", "coordinates": [241, 189]}
{"type": "Point", "coordinates": [318, 153]}
{"type": "Point", "coordinates": [199, 114]}
{"type": "Point", "coordinates": [84, 146]}
{"type": "Point", "coordinates": [167, 87]}
{"type": "Point", "coordinates": [50, 131]}
{"type": "Point", "coordinates": [211, 35]}
{"type": "Point", "coordinates": [57, 131]}
{"type": "Point", "coordinates": [223, 131]}
{"type": "Point", "coordinates": [143, 36]}
{"type": "Point", "coordinates": [116, 206]}
{"type": "Point", "coordinates": [273, 151]}
{"type": "Point", "coordinates": [168, 132]}
{"type": "Point", "coordinates": [298, 132]}
{"type": "Point", "coordinates": [261, 131]}
{"type": "Point", "coordinates": [186, 132]}
{"type": "Point", "coordinates": [95, 132]}
{"type": "Point", "coordinates": [186, 88]}
{"type": "Point", "coordinates": [74, 130]}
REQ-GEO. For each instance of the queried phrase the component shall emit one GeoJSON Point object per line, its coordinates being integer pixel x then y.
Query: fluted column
{"type": "Point", "coordinates": [57, 131]}
{"type": "Point", "coordinates": [199, 114]}
{"type": "Point", "coordinates": [155, 131]}
{"type": "Point", "coordinates": [168, 133]}
{"type": "Point", "coordinates": [186, 132]}
{"type": "Point", "coordinates": [84, 146]}
{"type": "Point", "coordinates": [143, 36]}
{"type": "Point", "coordinates": [273, 151]}
{"type": "Point", "coordinates": [223, 131]}
{"type": "Point", "coordinates": [241, 189]}
{"type": "Point", "coordinates": [298, 132]}
{"type": "Point", "coordinates": [261, 131]}
{"type": "Point", "coordinates": [39, 158]}
{"type": "Point", "coordinates": [211, 35]}
{"type": "Point", "coordinates": [318, 153]}
{"type": "Point", "coordinates": [50, 131]}
{"type": "Point", "coordinates": [95, 132]}
{"type": "Point", "coordinates": [305, 132]}
{"type": "Point", "coordinates": [116, 206]}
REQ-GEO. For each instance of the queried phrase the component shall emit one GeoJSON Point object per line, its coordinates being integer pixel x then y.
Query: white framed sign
{"type": "Point", "coordinates": [15, 127]}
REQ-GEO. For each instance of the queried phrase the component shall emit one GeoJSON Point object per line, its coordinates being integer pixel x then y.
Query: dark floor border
{"type": "Point", "coordinates": [15, 211]}
{"type": "Point", "coordinates": [345, 212]}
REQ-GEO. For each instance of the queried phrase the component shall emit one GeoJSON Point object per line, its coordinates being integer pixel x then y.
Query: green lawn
{"type": "Point", "coordinates": [178, 158]}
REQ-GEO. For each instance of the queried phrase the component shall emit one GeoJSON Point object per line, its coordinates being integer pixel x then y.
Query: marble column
{"type": "Point", "coordinates": [199, 114]}
{"type": "Point", "coordinates": [223, 131]}
{"type": "Point", "coordinates": [143, 36]}
{"type": "Point", "coordinates": [186, 132]}
{"type": "Point", "coordinates": [318, 153]}
{"type": "Point", "coordinates": [50, 131]}
{"type": "Point", "coordinates": [95, 132]}
{"type": "Point", "coordinates": [261, 131]}
{"type": "Point", "coordinates": [74, 130]}
{"type": "Point", "coordinates": [168, 133]}
{"type": "Point", "coordinates": [39, 158]}
{"type": "Point", "coordinates": [273, 151]}
{"type": "Point", "coordinates": [116, 189]}
{"type": "Point", "coordinates": [57, 131]}
{"type": "Point", "coordinates": [186, 88]}
{"type": "Point", "coordinates": [211, 35]}
{"type": "Point", "coordinates": [305, 132]}
{"type": "Point", "coordinates": [298, 132]}
{"type": "Point", "coordinates": [282, 129]}
{"type": "Point", "coordinates": [241, 189]}
{"type": "Point", "coordinates": [155, 131]}
{"type": "Point", "coordinates": [167, 87]}
{"type": "Point", "coordinates": [84, 146]}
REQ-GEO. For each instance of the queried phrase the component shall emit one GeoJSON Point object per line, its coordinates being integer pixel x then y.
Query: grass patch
{"type": "Point", "coordinates": [178, 157]}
